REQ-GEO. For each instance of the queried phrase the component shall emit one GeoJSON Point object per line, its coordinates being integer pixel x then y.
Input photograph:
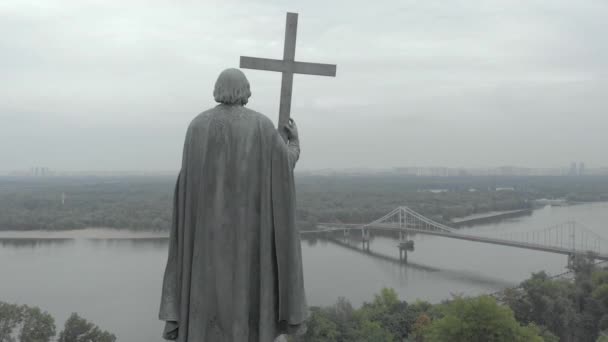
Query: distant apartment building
{"type": "Point", "coordinates": [36, 171]}
{"type": "Point", "coordinates": [513, 171]}
{"type": "Point", "coordinates": [573, 169]}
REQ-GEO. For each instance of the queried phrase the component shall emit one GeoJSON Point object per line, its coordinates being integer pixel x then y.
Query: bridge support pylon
{"type": "Point", "coordinates": [402, 236]}
{"type": "Point", "coordinates": [365, 239]}
{"type": "Point", "coordinates": [404, 247]}
{"type": "Point", "coordinates": [571, 260]}
{"type": "Point", "coordinates": [403, 255]}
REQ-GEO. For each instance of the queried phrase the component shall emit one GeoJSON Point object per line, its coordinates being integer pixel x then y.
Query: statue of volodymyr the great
{"type": "Point", "coordinates": [234, 270]}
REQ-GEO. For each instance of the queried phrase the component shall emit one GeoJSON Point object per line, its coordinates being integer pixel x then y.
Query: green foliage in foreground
{"type": "Point", "coordinates": [37, 326]}
{"type": "Point", "coordinates": [575, 311]}
{"type": "Point", "coordinates": [388, 319]}
{"type": "Point", "coordinates": [78, 329]}
{"type": "Point", "coordinates": [479, 319]}
{"type": "Point", "coordinates": [541, 309]}
{"type": "Point", "coordinates": [25, 324]}
{"type": "Point", "coordinates": [30, 324]}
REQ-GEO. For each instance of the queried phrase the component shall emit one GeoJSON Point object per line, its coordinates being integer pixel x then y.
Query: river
{"type": "Point", "coordinates": [114, 280]}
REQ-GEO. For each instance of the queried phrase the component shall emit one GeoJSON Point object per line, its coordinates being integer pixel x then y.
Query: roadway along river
{"type": "Point", "coordinates": [116, 282]}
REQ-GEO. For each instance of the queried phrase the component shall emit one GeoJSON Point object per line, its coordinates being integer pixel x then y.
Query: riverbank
{"type": "Point", "coordinates": [85, 233]}
{"type": "Point", "coordinates": [116, 233]}
{"type": "Point", "coordinates": [482, 218]}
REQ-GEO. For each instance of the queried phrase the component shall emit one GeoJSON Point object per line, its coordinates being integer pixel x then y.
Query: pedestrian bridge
{"type": "Point", "coordinates": [569, 238]}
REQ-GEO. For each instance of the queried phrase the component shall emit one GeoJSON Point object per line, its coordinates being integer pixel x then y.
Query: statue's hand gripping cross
{"type": "Point", "coordinates": [288, 66]}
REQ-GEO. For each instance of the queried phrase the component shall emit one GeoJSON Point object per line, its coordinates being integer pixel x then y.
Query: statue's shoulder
{"type": "Point", "coordinates": [253, 118]}
{"type": "Point", "coordinates": [259, 117]}
{"type": "Point", "coordinates": [202, 118]}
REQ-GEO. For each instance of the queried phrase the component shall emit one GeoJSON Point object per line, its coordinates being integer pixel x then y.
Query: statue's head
{"type": "Point", "coordinates": [232, 88]}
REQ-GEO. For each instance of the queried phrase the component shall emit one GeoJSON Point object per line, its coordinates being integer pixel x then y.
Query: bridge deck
{"type": "Point", "coordinates": [451, 235]}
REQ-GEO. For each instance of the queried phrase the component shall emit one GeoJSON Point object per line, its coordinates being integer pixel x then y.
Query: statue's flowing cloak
{"type": "Point", "coordinates": [234, 270]}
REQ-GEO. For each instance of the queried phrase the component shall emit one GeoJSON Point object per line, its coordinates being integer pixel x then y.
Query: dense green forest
{"type": "Point", "coordinates": [144, 203]}
{"type": "Point", "coordinates": [540, 309]}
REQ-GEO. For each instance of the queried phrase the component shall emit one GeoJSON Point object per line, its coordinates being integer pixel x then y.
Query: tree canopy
{"type": "Point", "coordinates": [30, 324]}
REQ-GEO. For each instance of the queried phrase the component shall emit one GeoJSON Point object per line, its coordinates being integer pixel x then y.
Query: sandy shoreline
{"type": "Point", "coordinates": [488, 215]}
{"type": "Point", "coordinates": [87, 233]}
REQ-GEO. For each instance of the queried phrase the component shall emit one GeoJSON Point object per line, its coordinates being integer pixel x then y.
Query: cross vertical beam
{"type": "Point", "coordinates": [288, 66]}
{"type": "Point", "coordinates": [289, 54]}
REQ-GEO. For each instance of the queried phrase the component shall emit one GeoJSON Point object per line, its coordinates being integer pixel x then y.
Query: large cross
{"type": "Point", "coordinates": [288, 66]}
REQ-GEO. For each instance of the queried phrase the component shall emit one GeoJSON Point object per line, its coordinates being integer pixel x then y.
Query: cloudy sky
{"type": "Point", "coordinates": [112, 85]}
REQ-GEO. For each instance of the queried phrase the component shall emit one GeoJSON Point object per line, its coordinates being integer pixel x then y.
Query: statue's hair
{"type": "Point", "coordinates": [232, 87]}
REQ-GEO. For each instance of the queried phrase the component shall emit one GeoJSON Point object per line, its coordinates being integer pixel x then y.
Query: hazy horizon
{"type": "Point", "coordinates": [594, 170]}
{"type": "Point", "coordinates": [112, 85]}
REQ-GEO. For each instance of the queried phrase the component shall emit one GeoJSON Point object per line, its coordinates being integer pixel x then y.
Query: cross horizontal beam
{"type": "Point", "coordinates": [280, 65]}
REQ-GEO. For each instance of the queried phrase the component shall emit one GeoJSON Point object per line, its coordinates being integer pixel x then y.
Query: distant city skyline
{"type": "Point", "coordinates": [565, 170]}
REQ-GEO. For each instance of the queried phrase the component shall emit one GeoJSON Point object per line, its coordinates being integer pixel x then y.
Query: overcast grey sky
{"type": "Point", "coordinates": [112, 85]}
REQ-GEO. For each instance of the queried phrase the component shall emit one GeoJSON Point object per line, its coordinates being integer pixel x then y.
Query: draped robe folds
{"type": "Point", "coordinates": [234, 269]}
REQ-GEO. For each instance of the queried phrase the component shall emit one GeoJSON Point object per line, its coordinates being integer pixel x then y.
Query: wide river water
{"type": "Point", "coordinates": [114, 280]}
